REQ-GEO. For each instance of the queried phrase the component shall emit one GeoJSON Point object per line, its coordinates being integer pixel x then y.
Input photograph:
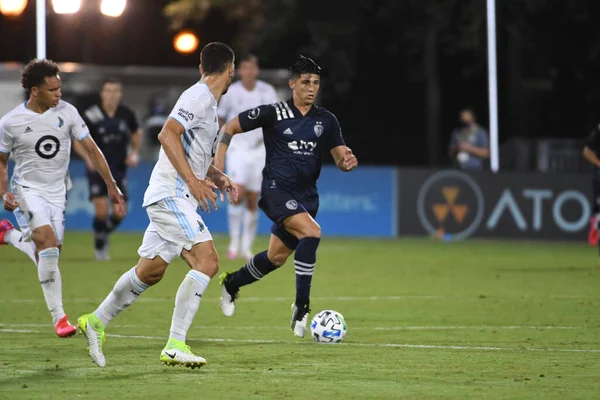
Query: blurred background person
{"type": "Point", "coordinates": [246, 156]}
{"type": "Point", "coordinates": [115, 129]}
{"type": "Point", "coordinates": [469, 144]}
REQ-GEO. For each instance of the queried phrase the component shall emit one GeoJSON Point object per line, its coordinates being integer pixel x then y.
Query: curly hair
{"type": "Point", "coordinates": [36, 71]}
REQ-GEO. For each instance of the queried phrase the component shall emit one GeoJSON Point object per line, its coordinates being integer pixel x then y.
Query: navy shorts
{"type": "Point", "coordinates": [279, 204]}
{"type": "Point", "coordinates": [98, 188]}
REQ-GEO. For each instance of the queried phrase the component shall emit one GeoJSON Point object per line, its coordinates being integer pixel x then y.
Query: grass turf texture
{"type": "Point", "coordinates": [426, 320]}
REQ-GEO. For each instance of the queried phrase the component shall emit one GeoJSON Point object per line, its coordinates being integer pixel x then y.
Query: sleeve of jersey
{"type": "Point", "coordinates": [6, 140]}
{"type": "Point", "coordinates": [189, 111]}
{"type": "Point", "coordinates": [335, 137]}
{"type": "Point", "coordinates": [79, 129]}
{"type": "Point", "coordinates": [133, 122]}
{"type": "Point", "coordinates": [259, 117]}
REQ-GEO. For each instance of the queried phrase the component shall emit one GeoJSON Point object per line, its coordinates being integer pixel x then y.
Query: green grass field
{"type": "Point", "coordinates": [426, 320]}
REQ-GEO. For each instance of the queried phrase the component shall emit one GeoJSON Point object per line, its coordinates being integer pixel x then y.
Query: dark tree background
{"type": "Point", "coordinates": [395, 72]}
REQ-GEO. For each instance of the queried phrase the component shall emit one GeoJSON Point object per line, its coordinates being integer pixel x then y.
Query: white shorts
{"type": "Point", "coordinates": [38, 212]}
{"type": "Point", "coordinates": [174, 225]}
{"type": "Point", "coordinates": [245, 168]}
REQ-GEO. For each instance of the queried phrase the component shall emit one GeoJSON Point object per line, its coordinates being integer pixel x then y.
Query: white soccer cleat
{"type": "Point", "coordinates": [299, 319]}
{"type": "Point", "coordinates": [102, 255]}
{"type": "Point", "coordinates": [93, 330]}
{"type": "Point", "coordinates": [178, 353]}
{"type": "Point", "coordinates": [227, 299]}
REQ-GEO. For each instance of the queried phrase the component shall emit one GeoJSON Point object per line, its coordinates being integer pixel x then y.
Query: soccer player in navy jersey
{"type": "Point", "coordinates": [296, 134]}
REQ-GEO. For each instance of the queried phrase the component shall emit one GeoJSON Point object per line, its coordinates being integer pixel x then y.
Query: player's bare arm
{"type": "Point", "coordinates": [170, 139]}
{"type": "Point", "coordinates": [82, 152]}
{"type": "Point", "coordinates": [133, 158]}
{"type": "Point", "coordinates": [344, 159]}
{"type": "Point", "coordinates": [476, 151]}
{"type": "Point", "coordinates": [227, 132]}
{"type": "Point", "coordinates": [590, 156]}
{"type": "Point", "coordinates": [114, 193]}
{"type": "Point", "coordinates": [8, 198]}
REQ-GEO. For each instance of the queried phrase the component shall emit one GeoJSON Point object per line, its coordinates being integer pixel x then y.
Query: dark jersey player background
{"type": "Point", "coordinates": [114, 127]}
{"type": "Point", "coordinates": [297, 134]}
{"type": "Point", "coordinates": [591, 152]}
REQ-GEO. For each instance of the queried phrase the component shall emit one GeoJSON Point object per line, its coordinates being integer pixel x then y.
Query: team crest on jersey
{"type": "Point", "coordinates": [61, 122]}
{"type": "Point", "coordinates": [253, 114]}
{"type": "Point", "coordinates": [318, 128]}
{"type": "Point", "coordinates": [200, 227]}
{"type": "Point", "coordinates": [123, 126]}
{"type": "Point", "coordinates": [291, 204]}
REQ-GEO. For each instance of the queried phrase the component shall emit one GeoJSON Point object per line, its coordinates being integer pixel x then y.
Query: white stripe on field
{"type": "Point", "coordinates": [377, 328]}
{"type": "Point", "coordinates": [402, 345]}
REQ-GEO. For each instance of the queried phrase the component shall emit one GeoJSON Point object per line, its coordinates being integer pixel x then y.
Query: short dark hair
{"type": "Point", "coordinates": [111, 79]}
{"type": "Point", "coordinates": [248, 57]}
{"type": "Point", "coordinates": [36, 71]}
{"type": "Point", "coordinates": [304, 65]}
{"type": "Point", "coordinates": [215, 57]}
{"type": "Point", "coordinates": [470, 110]}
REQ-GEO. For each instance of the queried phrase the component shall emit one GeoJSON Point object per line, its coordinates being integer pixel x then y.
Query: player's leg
{"type": "Point", "coordinates": [593, 233]}
{"type": "Point", "coordinates": [308, 232]}
{"type": "Point", "coordinates": [155, 255]}
{"type": "Point", "coordinates": [253, 185]}
{"type": "Point", "coordinates": [281, 246]}
{"type": "Point", "coordinates": [198, 251]}
{"type": "Point", "coordinates": [10, 235]}
{"type": "Point", "coordinates": [235, 211]}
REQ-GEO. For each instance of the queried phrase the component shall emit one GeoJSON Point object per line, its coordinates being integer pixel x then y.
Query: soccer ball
{"type": "Point", "coordinates": [328, 326]}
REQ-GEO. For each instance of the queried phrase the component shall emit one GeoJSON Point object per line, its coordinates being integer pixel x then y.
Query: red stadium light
{"type": "Point", "coordinates": [12, 8]}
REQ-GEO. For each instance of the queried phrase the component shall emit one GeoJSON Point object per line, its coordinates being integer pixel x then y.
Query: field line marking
{"type": "Point", "coordinates": [350, 344]}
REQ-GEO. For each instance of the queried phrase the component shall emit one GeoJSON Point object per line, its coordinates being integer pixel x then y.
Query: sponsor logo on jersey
{"type": "Point", "coordinates": [185, 114]}
{"type": "Point", "coordinates": [302, 147]}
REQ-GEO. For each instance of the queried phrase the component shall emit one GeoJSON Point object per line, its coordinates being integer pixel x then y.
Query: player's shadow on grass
{"type": "Point", "coordinates": [535, 270]}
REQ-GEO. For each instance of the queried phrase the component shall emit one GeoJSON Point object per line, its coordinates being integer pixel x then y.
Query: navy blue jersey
{"type": "Point", "coordinates": [294, 143]}
{"type": "Point", "coordinates": [112, 134]}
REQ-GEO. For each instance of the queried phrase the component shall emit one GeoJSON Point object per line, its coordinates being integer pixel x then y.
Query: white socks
{"type": "Point", "coordinates": [126, 291]}
{"type": "Point", "coordinates": [235, 214]}
{"type": "Point", "coordinates": [187, 302]}
{"type": "Point", "coordinates": [15, 237]}
{"type": "Point", "coordinates": [250, 223]}
{"type": "Point", "coordinates": [51, 283]}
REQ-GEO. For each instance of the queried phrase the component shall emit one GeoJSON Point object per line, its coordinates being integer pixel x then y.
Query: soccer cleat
{"type": "Point", "coordinates": [232, 255]}
{"type": "Point", "coordinates": [102, 255]}
{"type": "Point", "coordinates": [299, 319]}
{"type": "Point", "coordinates": [177, 352]}
{"type": "Point", "coordinates": [228, 295]}
{"type": "Point", "coordinates": [593, 233]}
{"type": "Point", "coordinates": [63, 328]}
{"type": "Point", "coordinates": [93, 330]}
{"type": "Point", "coordinates": [5, 226]}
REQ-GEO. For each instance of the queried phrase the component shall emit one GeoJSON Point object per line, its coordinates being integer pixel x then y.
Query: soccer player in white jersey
{"type": "Point", "coordinates": [38, 135]}
{"type": "Point", "coordinates": [178, 185]}
{"type": "Point", "coordinates": [246, 156]}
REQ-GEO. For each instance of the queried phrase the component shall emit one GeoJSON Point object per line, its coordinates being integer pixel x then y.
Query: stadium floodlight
{"type": "Point", "coordinates": [113, 8]}
{"type": "Point", "coordinates": [492, 85]}
{"type": "Point", "coordinates": [12, 8]}
{"type": "Point", "coordinates": [66, 6]}
{"type": "Point", "coordinates": [185, 42]}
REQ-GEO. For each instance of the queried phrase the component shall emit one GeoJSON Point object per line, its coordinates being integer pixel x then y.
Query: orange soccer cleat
{"type": "Point", "coordinates": [593, 233]}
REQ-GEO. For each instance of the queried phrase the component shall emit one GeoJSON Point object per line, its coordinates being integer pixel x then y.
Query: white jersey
{"type": "Point", "coordinates": [238, 99]}
{"type": "Point", "coordinates": [40, 145]}
{"type": "Point", "coordinates": [196, 111]}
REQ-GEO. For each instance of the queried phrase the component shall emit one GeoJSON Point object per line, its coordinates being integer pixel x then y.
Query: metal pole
{"type": "Point", "coordinates": [493, 85]}
{"type": "Point", "coordinates": [40, 18]}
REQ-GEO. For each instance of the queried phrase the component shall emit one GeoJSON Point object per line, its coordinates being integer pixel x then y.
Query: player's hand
{"type": "Point", "coordinates": [349, 162]}
{"type": "Point", "coordinates": [227, 187]}
{"type": "Point", "coordinates": [465, 147]}
{"type": "Point", "coordinates": [10, 203]}
{"type": "Point", "coordinates": [204, 193]}
{"type": "Point", "coordinates": [132, 159]}
{"type": "Point", "coordinates": [115, 195]}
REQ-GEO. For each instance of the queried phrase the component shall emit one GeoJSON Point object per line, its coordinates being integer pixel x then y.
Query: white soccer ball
{"type": "Point", "coordinates": [328, 326]}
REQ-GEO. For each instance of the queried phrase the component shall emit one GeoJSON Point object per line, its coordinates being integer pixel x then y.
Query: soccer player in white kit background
{"type": "Point", "coordinates": [38, 135]}
{"type": "Point", "coordinates": [177, 187]}
{"type": "Point", "coordinates": [246, 157]}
